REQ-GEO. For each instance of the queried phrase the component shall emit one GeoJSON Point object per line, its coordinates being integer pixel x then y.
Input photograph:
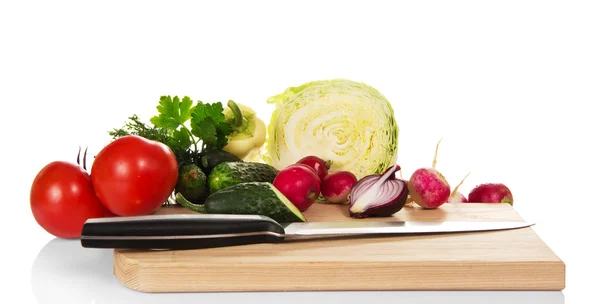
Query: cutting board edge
{"type": "Point", "coordinates": [478, 276]}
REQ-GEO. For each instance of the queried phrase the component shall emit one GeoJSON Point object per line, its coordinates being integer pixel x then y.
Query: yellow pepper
{"type": "Point", "coordinates": [249, 131]}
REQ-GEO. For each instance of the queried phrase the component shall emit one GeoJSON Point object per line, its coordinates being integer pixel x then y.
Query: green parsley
{"type": "Point", "coordinates": [187, 129]}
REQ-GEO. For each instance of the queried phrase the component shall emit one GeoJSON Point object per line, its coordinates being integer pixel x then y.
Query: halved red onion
{"type": "Point", "coordinates": [378, 195]}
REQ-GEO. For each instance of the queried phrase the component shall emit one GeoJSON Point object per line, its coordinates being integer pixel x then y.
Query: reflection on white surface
{"type": "Point", "coordinates": [64, 272]}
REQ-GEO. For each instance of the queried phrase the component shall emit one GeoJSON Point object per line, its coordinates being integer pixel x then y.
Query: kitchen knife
{"type": "Point", "coordinates": [194, 231]}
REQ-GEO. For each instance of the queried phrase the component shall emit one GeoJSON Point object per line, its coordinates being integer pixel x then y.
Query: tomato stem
{"type": "Point", "coordinates": [85, 158]}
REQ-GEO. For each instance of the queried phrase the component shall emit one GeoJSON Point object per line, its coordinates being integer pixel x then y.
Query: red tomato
{"type": "Point", "coordinates": [62, 199]}
{"type": "Point", "coordinates": [134, 176]}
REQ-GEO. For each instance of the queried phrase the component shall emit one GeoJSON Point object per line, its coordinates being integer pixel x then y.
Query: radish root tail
{"type": "Point", "coordinates": [436, 153]}
{"type": "Point", "coordinates": [461, 182]}
{"type": "Point", "coordinates": [409, 202]}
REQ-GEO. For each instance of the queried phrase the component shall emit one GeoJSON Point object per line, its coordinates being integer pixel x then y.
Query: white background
{"type": "Point", "coordinates": [509, 85]}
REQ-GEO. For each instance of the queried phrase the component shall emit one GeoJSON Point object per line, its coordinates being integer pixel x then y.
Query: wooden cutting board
{"type": "Point", "coordinates": [499, 260]}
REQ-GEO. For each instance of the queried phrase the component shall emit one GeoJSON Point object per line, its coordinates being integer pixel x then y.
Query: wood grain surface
{"type": "Point", "coordinates": [500, 260]}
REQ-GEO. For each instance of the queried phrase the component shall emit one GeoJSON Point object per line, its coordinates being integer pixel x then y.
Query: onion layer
{"type": "Point", "coordinates": [378, 195]}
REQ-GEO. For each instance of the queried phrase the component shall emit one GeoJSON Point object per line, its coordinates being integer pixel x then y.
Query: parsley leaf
{"type": "Point", "coordinates": [207, 110]}
{"type": "Point", "coordinates": [205, 130]}
{"type": "Point", "coordinates": [180, 139]}
{"type": "Point", "coordinates": [207, 122]}
{"type": "Point", "coordinates": [173, 112]}
{"type": "Point", "coordinates": [223, 130]}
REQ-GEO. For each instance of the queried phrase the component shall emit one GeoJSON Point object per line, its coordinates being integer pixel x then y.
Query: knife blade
{"type": "Point", "coordinates": [195, 231]}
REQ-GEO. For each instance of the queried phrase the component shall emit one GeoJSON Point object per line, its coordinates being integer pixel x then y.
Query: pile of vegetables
{"type": "Point", "coordinates": [333, 141]}
{"type": "Point", "coordinates": [146, 163]}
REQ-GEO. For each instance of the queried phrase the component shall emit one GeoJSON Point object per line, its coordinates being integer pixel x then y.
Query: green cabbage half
{"type": "Point", "coordinates": [348, 123]}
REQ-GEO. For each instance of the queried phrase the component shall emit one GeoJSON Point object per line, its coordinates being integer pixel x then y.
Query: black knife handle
{"type": "Point", "coordinates": [180, 231]}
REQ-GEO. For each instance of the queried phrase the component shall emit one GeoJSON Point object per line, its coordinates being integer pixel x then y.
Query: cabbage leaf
{"type": "Point", "coordinates": [348, 123]}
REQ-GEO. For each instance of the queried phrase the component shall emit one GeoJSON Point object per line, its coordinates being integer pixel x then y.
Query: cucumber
{"type": "Point", "coordinates": [192, 183]}
{"type": "Point", "coordinates": [253, 198]}
{"type": "Point", "coordinates": [213, 158]}
{"type": "Point", "coordinates": [232, 173]}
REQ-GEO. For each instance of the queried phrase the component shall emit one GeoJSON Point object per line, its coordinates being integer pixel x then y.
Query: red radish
{"type": "Point", "coordinates": [336, 187]}
{"type": "Point", "coordinates": [427, 187]}
{"type": "Point", "coordinates": [378, 195]}
{"type": "Point", "coordinates": [457, 197]}
{"type": "Point", "coordinates": [491, 193]}
{"type": "Point", "coordinates": [308, 167]}
{"type": "Point", "coordinates": [319, 165]}
{"type": "Point", "coordinates": [300, 184]}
